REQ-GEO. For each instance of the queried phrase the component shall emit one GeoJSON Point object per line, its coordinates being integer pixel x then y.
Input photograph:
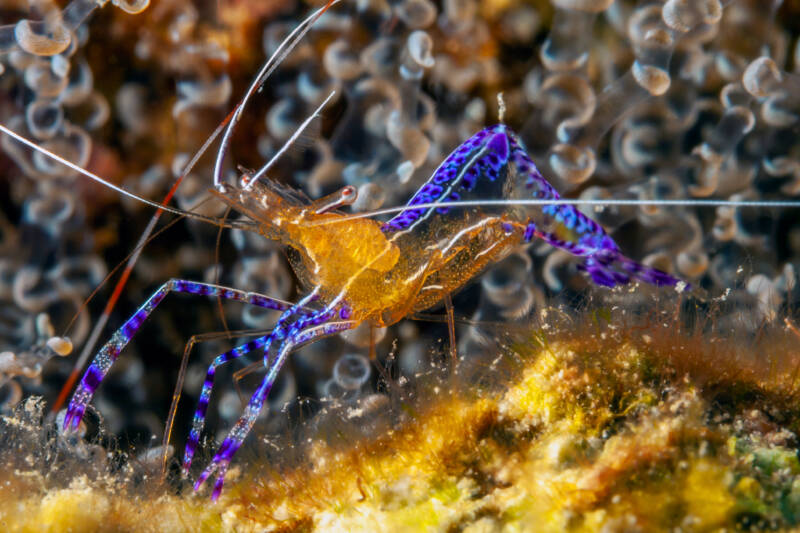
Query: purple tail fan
{"type": "Point", "coordinates": [610, 268]}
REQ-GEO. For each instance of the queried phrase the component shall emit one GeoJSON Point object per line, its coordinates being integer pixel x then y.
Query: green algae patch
{"type": "Point", "coordinates": [581, 435]}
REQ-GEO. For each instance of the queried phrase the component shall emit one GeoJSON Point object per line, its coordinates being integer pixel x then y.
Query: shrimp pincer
{"type": "Point", "coordinates": [361, 270]}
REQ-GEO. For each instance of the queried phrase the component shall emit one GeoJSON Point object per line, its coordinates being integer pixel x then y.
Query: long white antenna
{"type": "Point", "coordinates": [700, 202]}
{"type": "Point", "coordinates": [288, 143]}
{"type": "Point", "coordinates": [285, 48]}
{"type": "Point", "coordinates": [52, 155]}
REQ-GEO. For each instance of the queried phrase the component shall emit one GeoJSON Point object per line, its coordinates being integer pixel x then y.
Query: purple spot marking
{"type": "Point", "coordinates": [530, 229]}
{"type": "Point", "coordinates": [498, 146]}
{"type": "Point", "coordinates": [444, 176]}
{"type": "Point", "coordinates": [191, 447]}
{"type": "Point", "coordinates": [92, 378]}
{"type": "Point", "coordinates": [133, 324]}
{"type": "Point", "coordinates": [231, 295]}
{"type": "Point", "coordinates": [469, 179]}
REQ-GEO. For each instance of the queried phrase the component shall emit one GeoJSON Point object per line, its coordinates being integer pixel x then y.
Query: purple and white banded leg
{"type": "Point", "coordinates": [109, 353]}
{"type": "Point", "coordinates": [303, 330]}
{"type": "Point", "coordinates": [263, 342]}
{"type": "Point", "coordinates": [603, 260]}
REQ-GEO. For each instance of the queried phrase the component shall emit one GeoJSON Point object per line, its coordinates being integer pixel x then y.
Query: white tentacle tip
{"type": "Point", "coordinates": [60, 345]}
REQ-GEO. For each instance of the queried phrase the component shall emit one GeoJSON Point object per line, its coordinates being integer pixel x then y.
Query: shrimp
{"type": "Point", "coordinates": [360, 270]}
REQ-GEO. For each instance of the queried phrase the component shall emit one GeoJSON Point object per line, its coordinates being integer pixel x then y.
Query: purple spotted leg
{"type": "Point", "coordinates": [565, 227]}
{"type": "Point", "coordinates": [110, 351]}
{"type": "Point", "coordinates": [205, 395]}
{"type": "Point", "coordinates": [494, 162]}
{"type": "Point", "coordinates": [198, 422]}
{"type": "Point", "coordinates": [603, 260]}
{"type": "Point", "coordinates": [303, 330]}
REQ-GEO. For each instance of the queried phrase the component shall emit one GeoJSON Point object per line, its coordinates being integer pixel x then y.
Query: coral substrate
{"type": "Point", "coordinates": [613, 429]}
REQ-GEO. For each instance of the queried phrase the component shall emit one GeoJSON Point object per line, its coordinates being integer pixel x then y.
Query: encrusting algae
{"type": "Point", "coordinates": [617, 429]}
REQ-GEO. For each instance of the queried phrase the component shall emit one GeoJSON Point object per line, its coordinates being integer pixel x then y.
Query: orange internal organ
{"type": "Point", "coordinates": [352, 260]}
{"type": "Point", "coordinates": [381, 278]}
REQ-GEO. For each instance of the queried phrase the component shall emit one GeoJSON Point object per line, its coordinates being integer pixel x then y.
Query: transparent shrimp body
{"type": "Point", "coordinates": [493, 164]}
{"type": "Point", "coordinates": [380, 276]}
{"type": "Point", "coordinates": [361, 270]}
{"type": "Point", "coordinates": [383, 271]}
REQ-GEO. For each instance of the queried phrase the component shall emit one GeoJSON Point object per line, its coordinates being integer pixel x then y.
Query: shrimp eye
{"type": "Point", "coordinates": [348, 195]}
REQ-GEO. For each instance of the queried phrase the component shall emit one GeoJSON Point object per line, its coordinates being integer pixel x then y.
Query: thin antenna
{"type": "Point", "coordinates": [19, 138]}
{"type": "Point", "coordinates": [97, 330]}
{"type": "Point", "coordinates": [288, 143]}
{"type": "Point", "coordinates": [100, 325]}
{"type": "Point", "coordinates": [284, 49]}
{"type": "Point", "coordinates": [569, 201]}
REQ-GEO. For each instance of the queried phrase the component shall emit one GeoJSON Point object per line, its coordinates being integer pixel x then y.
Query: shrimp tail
{"type": "Point", "coordinates": [610, 268]}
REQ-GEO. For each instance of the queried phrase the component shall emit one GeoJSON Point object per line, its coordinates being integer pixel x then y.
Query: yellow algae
{"type": "Point", "coordinates": [707, 494]}
{"type": "Point", "coordinates": [747, 487]}
{"type": "Point", "coordinates": [74, 508]}
{"type": "Point", "coordinates": [528, 402]}
{"type": "Point", "coordinates": [82, 507]}
{"type": "Point", "coordinates": [582, 436]}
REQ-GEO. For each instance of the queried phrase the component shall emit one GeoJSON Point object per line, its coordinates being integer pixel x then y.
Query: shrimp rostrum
{"type": "Point", "coordinates": [360, 270]}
